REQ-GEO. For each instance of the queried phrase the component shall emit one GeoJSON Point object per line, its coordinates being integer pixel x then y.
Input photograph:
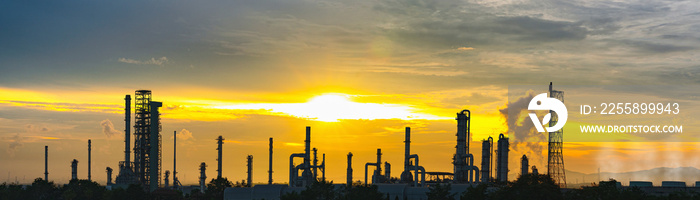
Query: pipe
{"type": "Point", "coordinates": [127, 131]}
{"type": "Point", "coordinates": [349, 172]}
{"type": "Point", "coordinates": [46, 163]}
{"type": "Point", "coordinates": [269, 171]}
{"type": "Point", "coordinates": [473, 170]}
{"type": "Point", "coordinates": [378, 170]}
{"type": "Point", "coordinates": [416, 167]}
{"type": "Point", "coordinates": [366, 165]}
{"type": "Point", "coordinates": [89, 160]}
{"type": "Point", "coordinates": [292, 173]}
{"type": "Point", "coordinates": [422, 178]}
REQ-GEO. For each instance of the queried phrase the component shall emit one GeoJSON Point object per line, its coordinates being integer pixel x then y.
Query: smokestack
{"type": "Point", "coordinates": [407, 151]}
{"type": "Point", "coordinates": [250, 170]}
{"type": "Point", "coordinates": [323, 168]}
{"type": "Point", "coordinates": [74, 169]}
{"type": "Point", "coordinates": [269, 171]}
{"type": "Point", "coordinates": [502, 168]}
{"type": "Point", "coordinates": [307, 150]}
{"type": "Point", "coordinates": [175, 159]}
{"type": "Point", "coordinates": [89, 160]}
{"type": "Point", "coordinates": [378, 170]}
{"type": "Point", "coordinates": [220, 142]}
{"type": "Point", "coordinates": [154, 159]}
{"type": "Point", "coordinates": [349, 173]}
{"type": "Point", "coordinates": [46, 163]}
{"type": "Point", "coordinates": [109, 176]}
{"type": "Point", "coordinates": [127, 131]}
{"type": "Point", "coordinates": [524, 165]}
{"type": "Point", "coordinates": [202, 177]}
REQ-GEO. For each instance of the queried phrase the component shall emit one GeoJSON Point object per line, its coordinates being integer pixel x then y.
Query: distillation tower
{"type": "Point", "coordinates": [464, 169]}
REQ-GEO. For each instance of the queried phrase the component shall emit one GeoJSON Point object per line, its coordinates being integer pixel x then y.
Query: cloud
{"type": "Point", "coordinates": [153, 61]}
{"type": "Point", "coordinates": [108, 128]}
{"type": "Point", "coordinates": [465, 48]}
{"type": "Point", "coordinates": [17, 141]}
{"type": "Point", "coordinates": [185, 135]}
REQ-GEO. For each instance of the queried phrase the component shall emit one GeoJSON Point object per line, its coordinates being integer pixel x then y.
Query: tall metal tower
{"type": "Point", "coordinates": [555, 157]}
{"type": "Point", "coordinates": [143, 142]}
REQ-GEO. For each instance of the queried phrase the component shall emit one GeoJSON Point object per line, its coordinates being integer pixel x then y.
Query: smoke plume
{"type": "Point", "coordinates": [524, 136]}
{"type": "Point", "coordinates": [108, 128]}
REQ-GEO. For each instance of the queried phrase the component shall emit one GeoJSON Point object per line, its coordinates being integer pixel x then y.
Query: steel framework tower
{"type": "Point", "coordinates": [143, 144]}
{"type": "Point", "coordinates": [555, 157]}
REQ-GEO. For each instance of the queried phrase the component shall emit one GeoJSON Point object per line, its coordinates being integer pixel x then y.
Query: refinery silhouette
{"type": "Point", "coordinates": [489, 180]}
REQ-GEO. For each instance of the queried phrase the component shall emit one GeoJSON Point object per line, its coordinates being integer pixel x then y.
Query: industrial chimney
{"type": "Point", "coordinates": [349, 173]}
{"type": "Point", "coordinates": [269, 171]}
{"type": "Point", "coordinates": [109, 176]}
{"type": "Point", "coordinates": [250, 171]}
{"type": "Point", "coordinates": [524, 165]}
{"type": "Point", "coordinates": [220, 142]}
{"type": "Point", "coordinates": [74, 169]}
{"type": "Point", "coordinates": [89, 160]}
{"type": "Point", "coordinates": [202, 177]}
{"type": "Point", "coordinates": [307, 158]}
{"type": "Point", "coordinates": [127, 131]}
{"type": "Point", "coordinates": [502, 167]}
{"type": "Point", "coordinates": [46, 163]}
{"type": "Point", "coordinates": [154, 159]}
{"type": "Point", "coordinates": [406, 174]}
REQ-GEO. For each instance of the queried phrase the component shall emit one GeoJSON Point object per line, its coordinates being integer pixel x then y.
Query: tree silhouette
{"type": "Point", "coordinates": [440, 192]}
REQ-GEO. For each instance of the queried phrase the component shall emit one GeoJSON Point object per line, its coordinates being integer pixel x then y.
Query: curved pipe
{"type": "Point", "coordinates": [292, 173]}
{"type": "Point", "coordinates": [473, 170]}
{"type": "Point", "coordinates": [366, 165]}
{"type": "Point", "coordinates": [422, 171]}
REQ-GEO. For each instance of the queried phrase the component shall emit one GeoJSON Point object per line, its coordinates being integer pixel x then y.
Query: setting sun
{"type": "Point", "coordinates": [333, 107]}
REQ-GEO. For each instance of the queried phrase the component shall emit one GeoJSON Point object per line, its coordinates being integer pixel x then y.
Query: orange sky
{"type": "Point", "coordinates": [356, 72]}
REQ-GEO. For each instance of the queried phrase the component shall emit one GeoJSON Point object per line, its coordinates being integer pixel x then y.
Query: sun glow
{"type": "Point", "coordinates": [334, 107]}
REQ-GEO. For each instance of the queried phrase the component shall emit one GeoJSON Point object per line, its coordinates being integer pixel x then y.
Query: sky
{"type": "Point", "coordinates": [357, 72]}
